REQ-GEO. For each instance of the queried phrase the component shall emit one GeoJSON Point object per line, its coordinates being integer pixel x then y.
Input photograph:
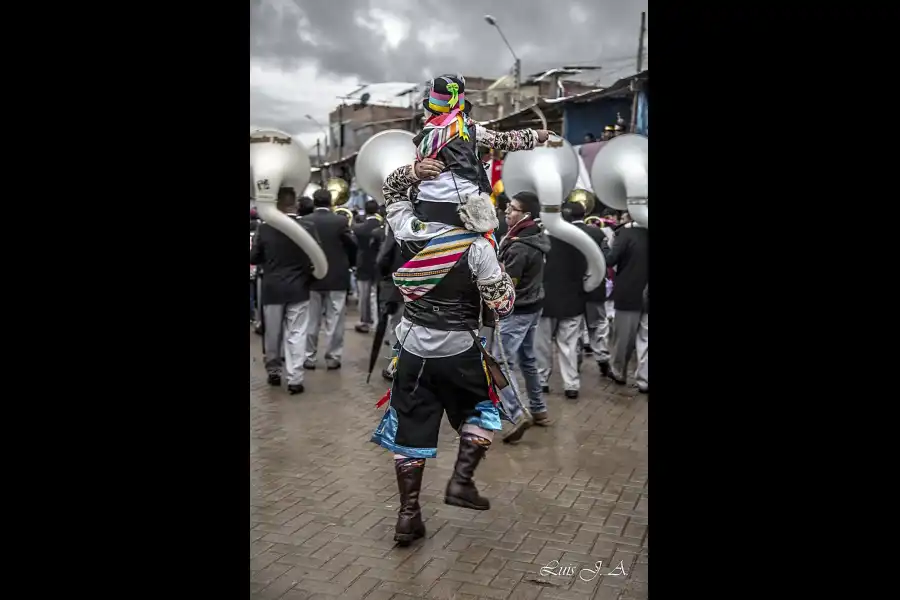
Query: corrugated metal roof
{"type": "Point", "coordinates": [622, 86]}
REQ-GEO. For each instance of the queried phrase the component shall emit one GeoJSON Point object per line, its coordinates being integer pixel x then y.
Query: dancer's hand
{"type": "Point", "coordinates": [428, 168]}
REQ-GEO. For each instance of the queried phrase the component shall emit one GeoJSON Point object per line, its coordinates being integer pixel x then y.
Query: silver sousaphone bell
{"type": "Point", "coordinates": [619, 176]}
{"type": "Point", "coordinates": [383, 153]}
{"type": "Point", "coordinates": [551, 173]}
{"type": "Point", "coordinates": [278, 161]}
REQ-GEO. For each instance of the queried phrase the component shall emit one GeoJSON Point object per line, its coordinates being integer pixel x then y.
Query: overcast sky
{"type": "Point", "coordinates": [305, 53]}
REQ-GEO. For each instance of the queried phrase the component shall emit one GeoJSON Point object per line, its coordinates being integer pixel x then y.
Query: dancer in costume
{"type": "Point", "coordinates": [451, 281]}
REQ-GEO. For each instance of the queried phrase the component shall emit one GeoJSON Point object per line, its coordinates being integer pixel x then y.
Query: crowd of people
{"type": "Point", "coordinates": [364, 256]}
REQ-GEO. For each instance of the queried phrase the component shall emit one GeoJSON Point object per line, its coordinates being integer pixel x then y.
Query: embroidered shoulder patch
{"type": "Point", "coordinates": [418, 225]}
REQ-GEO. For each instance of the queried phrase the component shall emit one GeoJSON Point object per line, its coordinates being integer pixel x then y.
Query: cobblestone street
{"type": "Point", "coordinates": [323, 499]}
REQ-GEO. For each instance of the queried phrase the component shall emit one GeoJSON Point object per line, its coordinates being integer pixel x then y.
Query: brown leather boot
{"type": "Point", "coordinates": [409, 520]}
{"type": "Point", "coordinates": [461, 489]}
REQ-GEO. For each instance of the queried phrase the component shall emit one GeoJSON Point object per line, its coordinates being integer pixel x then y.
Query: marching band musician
{"type": "Point", "coordinates": [365, 265]}
{"type": "Point", "coordinates": [390, 301]}
{"type": "Point", "coordinates": [328, 295]}
{"type": "Point", "coordinates": [563, 316]}
{"type": "Point", "coordinates": [595, 301]}
{"type": "Point", "coordinates": [630, 256]}
{"type": "Point", "coordinates": [285, 295]}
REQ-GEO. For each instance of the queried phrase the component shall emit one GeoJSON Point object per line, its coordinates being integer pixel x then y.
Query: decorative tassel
{"type": "Point", "coordinates": [384, 399]}
{"type": "Point", "coordinates": [464, 131]}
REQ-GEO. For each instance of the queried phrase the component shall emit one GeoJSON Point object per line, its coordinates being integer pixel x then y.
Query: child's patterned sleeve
{"type": "Point", "coordinates": [507, 141]}
{"type": "Point", "coordinates": [398, 183]}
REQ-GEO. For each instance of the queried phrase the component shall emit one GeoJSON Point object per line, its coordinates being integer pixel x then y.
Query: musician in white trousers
{"type": "Point", "coordinates": [563, 316]}
{"type": "Point", "coordinates": [329, 295]}
{"type": "Point", "coordinates": [285, 297]}
{"type": "Point", "coordinates": [630, 256]}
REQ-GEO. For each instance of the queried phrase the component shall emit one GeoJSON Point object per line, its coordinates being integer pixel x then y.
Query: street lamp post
{"type": "Point", "coordinates": [518, 64]}
{"type": "Point", "coordinates": [324, 131]}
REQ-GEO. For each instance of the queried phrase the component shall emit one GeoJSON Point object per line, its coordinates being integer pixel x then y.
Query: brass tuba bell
{"type": "Point", "coordinates": [339, 190]}
{"type": "Point", "coordinates": [584, 198]}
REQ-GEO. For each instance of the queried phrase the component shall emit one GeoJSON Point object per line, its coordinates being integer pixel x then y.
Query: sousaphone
{"type": "Point", "coordinates": [279, 161]}
{"type": "Point", "coordinates": [551, 172]}
{"type": "Point", "coordinates": [380, 156]}
{"type": "Point", "coordinates": [619, 176]}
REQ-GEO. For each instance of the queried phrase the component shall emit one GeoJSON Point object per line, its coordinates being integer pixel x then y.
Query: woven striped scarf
{"type": "Point", "coordinates": [426, 269]}
{"type": "Point", "coordinates": [440, 131]}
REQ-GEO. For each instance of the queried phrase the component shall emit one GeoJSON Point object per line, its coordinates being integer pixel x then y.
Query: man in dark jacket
{"type": "Point", "coordinates": [595, 301]}
{"type": "Point", "coordinates": [365, 265]}
{"type": "Point", "coordinates": [523, 252]}
{"type": "Point", "coordinates": [563, 316]}
{"type": "Point", "coordinates": [329, 292]}
{"type": "Point", "coordinates": [630, 256]}
{"type": "Point", "coordinates": [390, 300]}
{"type": "Point", "coordinates": [285, 296]}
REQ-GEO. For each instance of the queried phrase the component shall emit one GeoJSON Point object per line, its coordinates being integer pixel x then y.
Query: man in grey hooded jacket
{"type": "Point", "coordinates": [523, 252]}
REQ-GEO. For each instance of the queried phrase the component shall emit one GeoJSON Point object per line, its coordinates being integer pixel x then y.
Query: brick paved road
{"type": "Point", "coordinates": [323, 499]}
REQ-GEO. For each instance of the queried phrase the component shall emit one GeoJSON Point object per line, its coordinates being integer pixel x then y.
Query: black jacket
{"type": "Point", "coordinates": [287, 270]}
{"type": "Point", "coordinates": [524, 256]}
{"type": "Point", "coordinates": [366, 252]}
{"type": "Point", "coordinates": [630, 254]}
{"type": "Point", "coordinates": [564, 281]}
{"type": "Point", "coordinates": [599, 294]}
{"type": "Point", "coordinates": [388, 260]}
{"type": "Point", "coordinates": [339, 246]}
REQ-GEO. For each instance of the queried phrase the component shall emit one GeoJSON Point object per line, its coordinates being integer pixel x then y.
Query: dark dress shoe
{"type": "Point", "coordinates": [274, 379]}
{"type": "Point", "coordinates": [614, 378]}
{"type": "Point", "coordinates": [571, 394]}
{"type": "Point", "coordinates": [295, 388]}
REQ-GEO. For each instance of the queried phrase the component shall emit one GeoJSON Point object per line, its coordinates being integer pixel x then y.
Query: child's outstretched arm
{"type": "Point", "coordinates": [510, 141]}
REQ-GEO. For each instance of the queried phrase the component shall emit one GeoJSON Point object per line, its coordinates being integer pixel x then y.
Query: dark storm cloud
{"type": "Point", "coordinates": [542, 32]}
